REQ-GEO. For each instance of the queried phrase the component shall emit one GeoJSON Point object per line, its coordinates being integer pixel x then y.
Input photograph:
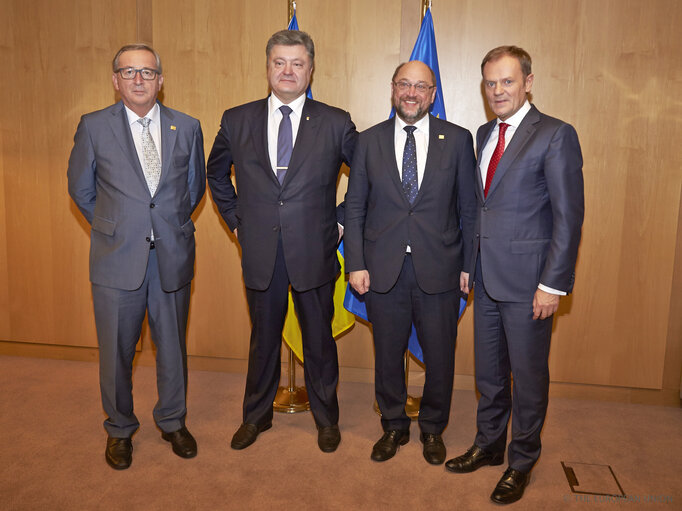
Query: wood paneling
{"type": "Point", "coordinates": [609, 67]}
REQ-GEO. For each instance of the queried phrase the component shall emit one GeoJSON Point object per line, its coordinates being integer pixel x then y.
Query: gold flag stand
{"type": "Point", "coordinates": [291, 399]}
{"type": "Point", "coordinates": [413, 403]}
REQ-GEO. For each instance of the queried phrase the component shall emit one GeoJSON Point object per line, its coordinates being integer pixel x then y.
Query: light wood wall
{"type": "Point", "coordinates": [608, 67]}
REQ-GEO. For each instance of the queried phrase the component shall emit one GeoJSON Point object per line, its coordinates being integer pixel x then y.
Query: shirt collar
{"type": "Point", "coordinates": [296, 105]}
{"type": "Point", "coordinates": [421, 125]}
{"type": "Point", "coordinates": [516, 119]}
{"type": "Point", "coordinates": [154, 114]}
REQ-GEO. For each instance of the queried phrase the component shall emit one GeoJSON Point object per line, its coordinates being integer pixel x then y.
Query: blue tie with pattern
{"type": "Point", "coordinates": [285, 144]}
{"type": "Point", "coordinates": [410, 181]}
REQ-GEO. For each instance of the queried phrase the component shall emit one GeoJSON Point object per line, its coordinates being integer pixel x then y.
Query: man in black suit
{"type": "Point", "coordinates": [286, 151]}
{"type": "Point", "coordinates": [410, 211]}
{"type": "Point", "coordinates": [530, 213]}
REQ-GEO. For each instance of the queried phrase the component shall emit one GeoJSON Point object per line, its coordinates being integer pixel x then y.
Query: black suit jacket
{"type": "Point", "coordinates": [438, 225]}
{"type": "Point", "coordinates": [302, 209]}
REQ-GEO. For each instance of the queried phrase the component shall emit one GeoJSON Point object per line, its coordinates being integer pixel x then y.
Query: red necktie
{"type": "Point", "coordinates": [495, 159]}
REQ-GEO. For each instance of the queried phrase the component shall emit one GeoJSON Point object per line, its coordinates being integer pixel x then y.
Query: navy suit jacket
{"type": "Point", "coordinates": [107, 184]}
{"type": "Point", "coordinates": [528, 226]}
{"type": "Point", "coordinates": [439, 224]}
{"type": "Point", "coordinates": [302, 210]}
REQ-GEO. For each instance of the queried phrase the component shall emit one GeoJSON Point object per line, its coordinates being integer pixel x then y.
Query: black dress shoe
{"type": "Point", "coordinates": [328, 438]}
{"type": "Point", "coordinates": [183, 442]}
{"type": "Point", "coordinates": [510, 488]}
{"type": "Point", "coordinates": [247, 434]}
{"type": "Point", "coordinates": [388, 444]}
{"type": "Point", "coordinates": [119, 453]}
{"type": "Point", "coordinates": [473, 459]}
{"type": "Point", "coordinates": [434, 448]}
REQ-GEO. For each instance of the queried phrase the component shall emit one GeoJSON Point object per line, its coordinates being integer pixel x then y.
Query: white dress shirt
{"type": "Point", "coordinates": [487, 154]}
{"type": "Point", "coordinates": [275, 117]}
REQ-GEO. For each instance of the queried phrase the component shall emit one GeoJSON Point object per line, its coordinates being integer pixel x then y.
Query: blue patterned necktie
{"type": "Point", "coordinates": [410, 181]}
{"type": "Point", "coordinates": [285, 144]}
{"type": "Point", "coordinates": [152, 162]}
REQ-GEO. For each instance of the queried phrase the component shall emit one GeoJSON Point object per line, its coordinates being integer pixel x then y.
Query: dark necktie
{"type": "Point", "coordinates": [410, 181]}
{"type": "Point", "coordinates": [285, 144]}
{"type": "Point", "coordinates": [495, 159]}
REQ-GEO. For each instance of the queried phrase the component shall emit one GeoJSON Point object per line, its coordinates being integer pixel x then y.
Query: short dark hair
{"type": "Point", "coordinates": [512, 51]}
{"type": "Point", "coordinates": [291, 38]}
{"type": "Point", "coordinates": [136, 46]}
{"type": "Point", "coordinates": [400, 66]}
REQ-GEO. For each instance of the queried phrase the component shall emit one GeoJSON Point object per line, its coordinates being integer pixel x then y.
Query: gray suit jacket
{"type": "Point", "coordinates": [529, 224]}
{"type": "Point", "coordinates": [107, 184]}
{"type": "Point", "coordinates": [438, 225]}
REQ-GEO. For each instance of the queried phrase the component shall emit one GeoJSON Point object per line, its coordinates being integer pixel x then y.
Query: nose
{"type": "Point", "coordinates": [498, 89]}
{"type": "Point", "coordinates": [138, 77]}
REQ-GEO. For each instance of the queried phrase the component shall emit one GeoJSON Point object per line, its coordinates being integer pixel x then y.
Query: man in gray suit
{"type": "Point", "coordinates": [410, 211]}
{"type": "Point", "coordinates": [530, 213]}
{"type": "Point", "coordinates": [137, 173]}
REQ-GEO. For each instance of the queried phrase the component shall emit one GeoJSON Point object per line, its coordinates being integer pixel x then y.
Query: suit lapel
{"type": "Point", "coordinates": [433, 157]}
{"type": "Point", "coordinates": [121, 129]}
{"type": "Point", "coordinates": [259, 131]}
{"type": "Point", "coordinates": [522, 135]}
{"type": "Point", "coordinates": [387, 154]}
{"type": "Point", "coordinates": [169, 133]}
{"type": "Point", "coordinates": [305, 139]}
{"type": "Point", "coordinates": [486, 130]}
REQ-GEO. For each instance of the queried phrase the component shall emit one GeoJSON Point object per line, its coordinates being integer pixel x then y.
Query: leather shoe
{"type": "Point", "coordinates": [510, 488]}
{"type": "Point", "coordinates": [434, 448]}
{"type": "Point", "coordinates": [328, 438]}
{"type": "Point", "coordinates": [119, 453]}
{"type": "Point", "coordinates": [183, 442]}
{"type": "Point", "coordinates": [473, 459]}
{"type": "Point", "coordinates": [388, 444]}
{"type": "Point", "coordinates": [247, 434]}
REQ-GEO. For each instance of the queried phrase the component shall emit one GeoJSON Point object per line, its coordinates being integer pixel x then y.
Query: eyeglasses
{"type": "Point", "coordinates": [129, 73]}
{"type": "Point", "coordinates": [420, 87]}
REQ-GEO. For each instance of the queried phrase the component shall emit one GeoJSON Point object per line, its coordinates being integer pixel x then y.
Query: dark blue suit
{"type": "Point", "coordinates": [527, 232]}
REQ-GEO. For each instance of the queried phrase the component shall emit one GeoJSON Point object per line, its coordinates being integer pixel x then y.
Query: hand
{"type": "Point", "coordinates": [340, 233]}
{"type": "Point", "coordinates": [544, 304]}
{"type": "Point", "coordinates": [464, 282]}
{"type": "Point", "coordinates": [359, 280]}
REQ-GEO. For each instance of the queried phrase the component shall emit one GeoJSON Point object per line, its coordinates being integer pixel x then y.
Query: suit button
{"type": "Point", "coordinates": [148, 238]}
{"type": "Point", "coordinates": [275, 228]}
{"type": "Point", "coordinates": [152, 205]}
{"type": "Point", "coordinates": [478, 235]}
{"type": "Point", "coordinates": [411, 212]}
{"type": "Point", "coordinates": [485, 209]}
{"type": "Point", "coordinates": [281, 203]}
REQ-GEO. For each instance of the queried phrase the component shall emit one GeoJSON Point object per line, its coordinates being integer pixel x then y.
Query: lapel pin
{"type": "Point", "coordinates": [173, 127]}
{"type": "Point", "coordinates": [307, 118]}
{"type": "Point", "coordinates": [441, 137]}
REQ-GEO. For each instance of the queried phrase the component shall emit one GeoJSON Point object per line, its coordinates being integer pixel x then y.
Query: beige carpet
{"type": "Point", "coordinates": [52, 453]}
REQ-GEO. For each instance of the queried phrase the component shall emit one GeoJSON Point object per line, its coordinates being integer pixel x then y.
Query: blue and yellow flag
{"type": "Point", "coordinates": [342, 319]}
{"type": "Point", "coordinates": [425, 51]}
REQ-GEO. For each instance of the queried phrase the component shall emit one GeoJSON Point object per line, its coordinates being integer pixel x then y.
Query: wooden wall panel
{"type": "Point", "coordinates": [58, 54]}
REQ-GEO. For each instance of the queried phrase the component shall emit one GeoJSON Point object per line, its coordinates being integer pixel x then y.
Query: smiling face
{"type": "Point", "coordinates": [289, 71]}
{"type": "Point", "coordinates": [505, 86]}
{"type": "Point", "coordinates": [137, 94]}
{"type": "Point", "coordinates": [410, 104]}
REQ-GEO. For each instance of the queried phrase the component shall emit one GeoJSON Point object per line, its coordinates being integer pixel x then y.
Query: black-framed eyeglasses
{"type": "Point", "coordinates": [129, 73]}
{"type": "Point", "coordinates": [420, 87]}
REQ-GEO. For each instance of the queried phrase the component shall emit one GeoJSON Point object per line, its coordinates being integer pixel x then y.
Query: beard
{"type": "Point", "coordinates": [411, 118]}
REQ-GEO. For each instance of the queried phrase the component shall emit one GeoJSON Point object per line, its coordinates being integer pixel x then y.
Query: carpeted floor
{"type": "Point", "coordinates": [52, 453]}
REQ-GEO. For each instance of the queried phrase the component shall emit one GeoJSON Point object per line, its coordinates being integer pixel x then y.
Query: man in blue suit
{"type": "Point", "coordinates": [286, 151]}
{"type": "Point", "coordinates": [137, 173]}
{"type": "Point", "coordinates": [530, 213]}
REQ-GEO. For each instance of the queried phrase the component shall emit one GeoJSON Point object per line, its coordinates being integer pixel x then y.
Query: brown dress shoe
{"type": "Point", "coordinates": [434, 448]}
{"type": "Point", "coordinates": [474, 459]}
{"type": "Point", "coordinates": [388, 444]}
{"type": "Point", "coordinates": [183, 442]}
{"type": "Point", "coordinates": [328, 438]}
{"type": "Point", "coordinates": [247, 434]}
{"type": "Point", "coordinates": [119, 453]}
{"type": "Point", "coordinates": [510, 488]}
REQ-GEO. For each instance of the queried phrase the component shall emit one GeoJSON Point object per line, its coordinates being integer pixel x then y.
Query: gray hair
{"type": "Point", "coordinates": [291, 38]}
{"type": "Point", "coordinates": [509, 51]}
{"type": "Point", "coordinates": [133, 47]}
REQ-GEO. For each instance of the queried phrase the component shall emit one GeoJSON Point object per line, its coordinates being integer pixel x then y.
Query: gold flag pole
{"type": "Point", "coordinates": [291, 399]}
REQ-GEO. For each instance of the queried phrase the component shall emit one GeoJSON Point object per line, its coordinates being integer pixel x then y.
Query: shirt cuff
{"type": "Point", "coordinates": [551, 290]}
